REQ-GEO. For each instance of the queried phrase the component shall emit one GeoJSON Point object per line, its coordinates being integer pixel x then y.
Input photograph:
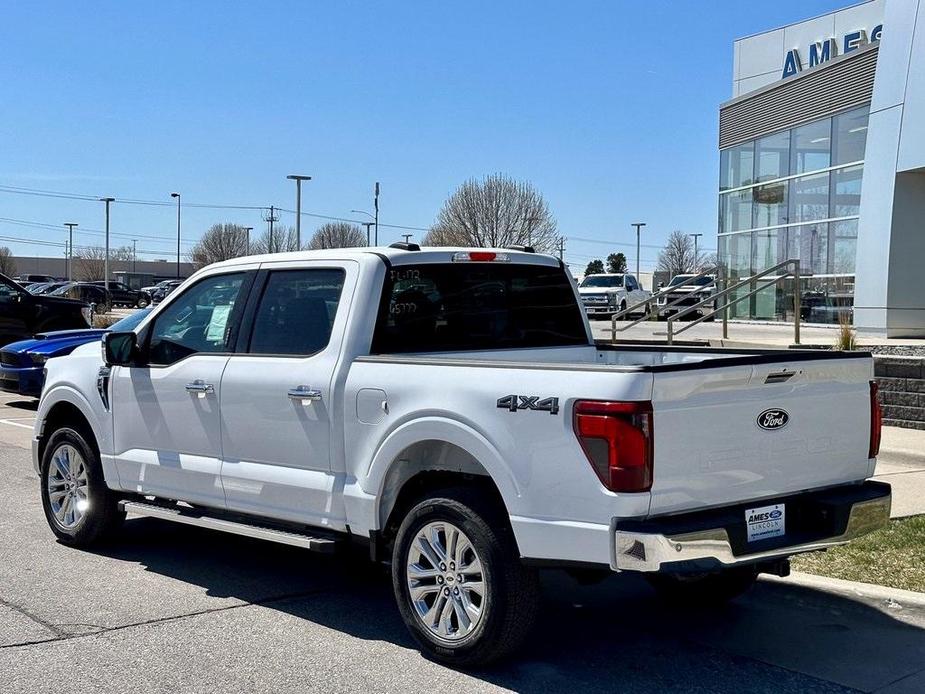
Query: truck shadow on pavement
{"type": "Point", "coordinates": [615, 635]}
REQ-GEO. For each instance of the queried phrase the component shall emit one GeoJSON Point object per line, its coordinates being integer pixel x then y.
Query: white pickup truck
{"type": "Point", "coordinates": [606, 294]}
{"type": "Point", "coordinates": [448, 410]}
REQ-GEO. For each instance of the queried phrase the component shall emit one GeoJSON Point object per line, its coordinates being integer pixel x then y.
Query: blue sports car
{"type": "Point", "coordinates": [22, 363]}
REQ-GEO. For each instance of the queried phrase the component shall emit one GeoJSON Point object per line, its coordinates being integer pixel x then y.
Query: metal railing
{"type": "Point", "coordinates": [794, 272]}
{"type": "Point", "coordinates": [646, 314]}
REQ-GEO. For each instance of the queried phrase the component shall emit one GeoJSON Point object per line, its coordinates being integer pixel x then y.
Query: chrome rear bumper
{"type": "Point", "coordinates": [647, 551]}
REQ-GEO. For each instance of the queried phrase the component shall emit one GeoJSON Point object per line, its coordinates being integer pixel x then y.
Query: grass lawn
{"type": "Point", "coordinates": [893, 556]}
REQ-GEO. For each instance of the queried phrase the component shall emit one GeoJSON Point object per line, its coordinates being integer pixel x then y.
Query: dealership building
{"type": "Point", "coordinates": [822, 159]}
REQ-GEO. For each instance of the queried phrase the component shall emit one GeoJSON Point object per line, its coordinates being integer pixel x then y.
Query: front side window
{"type": "Point", "coordinates": [199, 320]}
{"type": "Point", "coordinates": [9, 293]}
{"type": "Point", "coordinates": [296, 312]}
{"type": "Point", "coordinates": [477, 306]}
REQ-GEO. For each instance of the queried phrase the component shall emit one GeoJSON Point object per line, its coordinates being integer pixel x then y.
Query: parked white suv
{"type": "Point", "coordinates": [448, 410]}
{"type": "Point", "coordinates": [606, 294]}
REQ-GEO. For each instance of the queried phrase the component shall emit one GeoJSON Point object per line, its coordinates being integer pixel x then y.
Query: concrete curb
{"type": "Point", "coordinates": [905, 598]}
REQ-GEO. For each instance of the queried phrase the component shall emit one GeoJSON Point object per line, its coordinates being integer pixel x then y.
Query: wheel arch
{"type": "Point", "coordinates": [432, 453]}
{"type": "Point", "coordinates": [65, 407]}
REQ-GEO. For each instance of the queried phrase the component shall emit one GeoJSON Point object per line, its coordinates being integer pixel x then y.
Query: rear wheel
{"type": "Point", "coordinates": [79, 507]}
{"type": "Point", "coordinates": [460, 586]}
{"type": "Point", "coordinates": [706, 588]}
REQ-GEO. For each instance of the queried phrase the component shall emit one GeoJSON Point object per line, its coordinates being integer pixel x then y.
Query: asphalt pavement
{"type": "Point", "coordinates": [173, 608]}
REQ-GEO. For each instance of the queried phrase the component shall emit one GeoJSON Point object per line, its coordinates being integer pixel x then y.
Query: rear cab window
{"type": "Point", "coordinates": [472, 306]}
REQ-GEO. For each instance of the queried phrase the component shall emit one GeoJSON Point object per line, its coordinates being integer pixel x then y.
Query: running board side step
{"type": "Point", "coordinates": [193, 517]}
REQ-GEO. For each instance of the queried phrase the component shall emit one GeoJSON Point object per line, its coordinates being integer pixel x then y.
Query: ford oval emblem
{"type": "Point", "coordinates": [773, 419]}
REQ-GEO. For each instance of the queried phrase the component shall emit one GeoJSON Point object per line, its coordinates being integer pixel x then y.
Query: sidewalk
{"type": "Point", "coordinates": [902, 465]}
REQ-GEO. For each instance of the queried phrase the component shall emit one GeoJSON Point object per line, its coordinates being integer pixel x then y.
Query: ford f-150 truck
{"type": "Point", "coordinates": [448, 411]}
{"type": "Point", "coordinates": [606, 294]}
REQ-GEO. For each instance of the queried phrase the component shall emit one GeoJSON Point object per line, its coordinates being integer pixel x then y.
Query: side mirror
{"type": "Point", "coordinates": [120, 349]}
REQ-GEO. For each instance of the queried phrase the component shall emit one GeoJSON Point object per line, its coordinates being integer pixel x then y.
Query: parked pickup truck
{"type": "Point", "coordinates": [449, 411]}
{"type": "Point", "coordinates": [606, 294]}
{"type": "Point", "coordinates": [684, 291]}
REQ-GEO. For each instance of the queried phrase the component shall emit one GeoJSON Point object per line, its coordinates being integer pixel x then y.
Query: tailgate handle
{"type": "Point", "coordinates": [780, 376]}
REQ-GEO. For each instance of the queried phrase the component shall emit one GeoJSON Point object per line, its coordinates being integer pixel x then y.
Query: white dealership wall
{"type": "Point", "coordinates": [889, 291]}
{"type": "Point", "coordinates": [890, 266]}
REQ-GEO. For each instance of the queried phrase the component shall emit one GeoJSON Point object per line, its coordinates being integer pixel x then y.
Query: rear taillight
{"type": "Point", "coordinates": [617, 439]}
{"type": "Point", "coordinates": [876, 422]}
{"type": "Point", "coordinates": [480, 257]}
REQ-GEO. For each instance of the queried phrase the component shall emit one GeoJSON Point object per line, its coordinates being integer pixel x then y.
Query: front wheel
{"type": "Point", "coordinates": [704, 588]}
{"type": "Point", "coordinates": [460, 586]}
{"type": "Point", "coordinates": [79, 507]}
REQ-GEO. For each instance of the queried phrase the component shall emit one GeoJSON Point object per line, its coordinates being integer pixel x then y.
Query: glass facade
{"type": "Point", "coordinates": [795, 195]}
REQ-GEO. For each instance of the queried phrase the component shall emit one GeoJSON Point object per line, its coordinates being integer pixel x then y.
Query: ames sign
{"type": "Point", "coordinates": [822, 51]}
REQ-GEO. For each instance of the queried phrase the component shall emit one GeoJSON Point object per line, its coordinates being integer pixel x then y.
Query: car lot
{"type": "Point", "coordinates": [170, 607]}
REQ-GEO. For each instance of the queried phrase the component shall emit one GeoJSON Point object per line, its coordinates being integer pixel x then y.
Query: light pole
{"type": "Point", "coordinates": [247, 240]}
{"type": "Point", "coordinates": [696, 257]}
{"type": "Point", "coordinates": [298, 206]}
{"type": "Point", "coordinates": [108, 202]}
{"type": "Point", "coordinates": [639, 226]}
{"type": "Point", "coordinates": [376, 206]}
{"type": "Point", "coordinates": [70, 248]}
{"type": "Point", "coordinates": [177, 196]}
{"type": "Point", "coordinates": [367, 224]}
{"type": "Point", "coordinates": [134, 255]}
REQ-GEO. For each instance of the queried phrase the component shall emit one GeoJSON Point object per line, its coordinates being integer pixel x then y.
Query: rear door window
{"type": "Point", "coordinates": [296, 311]}
{"type": "Point", "coordinates": [477, 306]}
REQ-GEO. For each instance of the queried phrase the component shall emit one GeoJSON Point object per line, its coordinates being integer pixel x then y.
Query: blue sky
{"type": "Point", "coordinates": [608, 108]}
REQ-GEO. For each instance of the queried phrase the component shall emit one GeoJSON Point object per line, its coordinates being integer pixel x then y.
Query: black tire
{"type": "Point", "coordinates": [703, 589]}
{"type": "Point", "coordinates": [102, 515]}
{"type": "Point", "coordinates": [511, 589]}
{"type": "Point", "coordinates": [142, 302]}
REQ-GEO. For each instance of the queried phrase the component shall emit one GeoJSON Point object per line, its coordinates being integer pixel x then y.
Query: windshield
{"type": "Point", "coordinates": [602, 281]}
{"type": "Point", "coordinates": [62, 291]}
{"type": "Point", "coordinates": [685, 279]}
{"type": "Point", "coordinates": [130, 322]}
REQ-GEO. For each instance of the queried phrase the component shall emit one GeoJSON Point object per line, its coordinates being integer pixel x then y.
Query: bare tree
{"type": "Point", "coordinates": [220, 242]}
{"type": "Point", "coordinates": [281, 240]}
{"type": "Point", "coordinates": [90, 261]}
{"type": "Point", "coordinates": [678, 256]}
{"type": "Point", "coordinates": [7, 263]}
{"type": "Point", "coordinates": [337, 235]}
{"type": "Point", "coordinates": [495, 212]}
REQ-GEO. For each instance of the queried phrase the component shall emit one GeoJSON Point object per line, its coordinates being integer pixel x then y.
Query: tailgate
{"type": "Point", "coordinates": [729, 434]}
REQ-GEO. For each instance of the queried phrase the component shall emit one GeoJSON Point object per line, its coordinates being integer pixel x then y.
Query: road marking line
{"type": "Point", "coordinates": [16, 424]}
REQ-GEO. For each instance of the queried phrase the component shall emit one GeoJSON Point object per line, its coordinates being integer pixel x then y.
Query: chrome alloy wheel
{"type": "Point", "coordinates": [445, 581]}
{"type": "Point", "coordinates": [67, 486]}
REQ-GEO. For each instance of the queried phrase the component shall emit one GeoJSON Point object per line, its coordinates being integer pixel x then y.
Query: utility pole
{"type": "Point", "coordinates": [271, 218]}
{"type": "Point", "coordinates": [376, 205]}
{"type": "Point", "coordinates": [134, 254]}
{"type": "Point", "coordinates": [561, 247]}
{"type": "Point", "coordinates": [70, 249]}
{"type": "Point", "coordinates": [108, 202]}
{"type": "Point", "coordinates": [696, 256]}
{"type": "Point", "coordinates": [247, 240]}
{"type": "Point", "coordinates": [177, 196]}
{"type": "Point", "coordinates": [298, 206]}
{"type": "Point", "coordinates": [639, 226]}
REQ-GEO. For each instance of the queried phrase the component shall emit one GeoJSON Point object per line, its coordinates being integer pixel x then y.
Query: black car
{"type": "Point", "coordinates": [123, 295]}
{"type": "Point", "coordinates": [23, 315]}
{"type": "Point", "coordinates": [98, 297]}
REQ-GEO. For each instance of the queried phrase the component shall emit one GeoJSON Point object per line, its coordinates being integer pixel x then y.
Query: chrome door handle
{"type": "Point", "coordinates": [304, 393]}
{"type": "Point", "coordinates": [201, 387]}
